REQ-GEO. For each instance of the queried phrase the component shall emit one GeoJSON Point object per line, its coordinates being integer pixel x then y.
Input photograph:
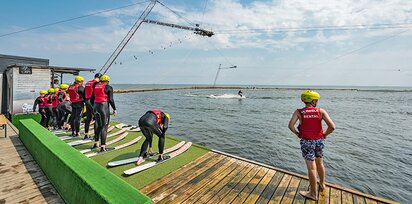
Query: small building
{"type": "Point", "coordinates": [22, 78]}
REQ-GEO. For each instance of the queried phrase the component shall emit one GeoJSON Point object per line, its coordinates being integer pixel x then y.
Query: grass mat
{"type": "Point", "coordinates": [144, 178]}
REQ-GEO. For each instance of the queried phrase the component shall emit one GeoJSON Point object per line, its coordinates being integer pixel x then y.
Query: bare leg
{"type": "Point", "coordinates": [321, 171]}
{"type": "Point", "coordinates": [311, 166]}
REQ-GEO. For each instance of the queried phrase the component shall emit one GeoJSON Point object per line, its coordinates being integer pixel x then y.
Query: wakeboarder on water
{"type": "Point", "coordinates": [312, 139]}
{"type": "Point", "coordinates": [102, 97]}
{"type": "Point", "coordinates": [157, 122]}
{"type": "Point", "coordinates": [240, 93]}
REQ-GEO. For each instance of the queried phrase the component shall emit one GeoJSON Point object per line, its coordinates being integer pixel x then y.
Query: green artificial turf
{"type": "Point", "coordinates": [144, 178]}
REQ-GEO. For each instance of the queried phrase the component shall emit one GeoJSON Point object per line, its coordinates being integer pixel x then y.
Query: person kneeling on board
{"type": "Point", "coordinates": [157, 122]}
{"type": "Point", "coordinates": [102, 97]}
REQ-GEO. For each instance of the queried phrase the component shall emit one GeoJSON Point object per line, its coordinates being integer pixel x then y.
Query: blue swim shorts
{"type": "Point", "coordinates": [312, 148]}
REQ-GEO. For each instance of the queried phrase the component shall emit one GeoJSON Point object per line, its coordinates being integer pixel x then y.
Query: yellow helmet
{"type": "Point", "coordinates": [79, 78]}
{"type": "Point", "coordinates": [51, 90]}
{"type": "Point", "coordinates": [104, 78]}
{"type": "Point", "coordinates": [43, 92]}
{"type": "Point", "coordinates": [56, 89]}
{"type": "Point", "coordinates": [309, 95]}
{"type": "Point", "coordinates": [167, 115]}
{"type": "Point", "coordinates": [64, 86]}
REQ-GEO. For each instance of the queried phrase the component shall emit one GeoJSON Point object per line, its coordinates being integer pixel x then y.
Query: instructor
{"type": "Point", "coordinates": [88, 89]}
{"type": "Point", "coordinates": [157, 122]}
{"type": "Point", "coordinates": [76, 93]}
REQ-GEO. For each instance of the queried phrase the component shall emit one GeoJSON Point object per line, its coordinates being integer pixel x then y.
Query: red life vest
{"type": "Point", "coordinates": [158, 114]}
{"type": "Point", "coordinates": [310, 127]}
{"type": "Point", "coordinates": [88, 88]}
{"type": "Point", "coordinates": [74, 96]}
{"type": "Point", "coordinates": [47, 100]}
{"type": "Point", "coordinates": [43, 101]}
{"type": "Point", "coordinates": [99, 95]}
{"type": "Point", "coordinates": [55, 101]}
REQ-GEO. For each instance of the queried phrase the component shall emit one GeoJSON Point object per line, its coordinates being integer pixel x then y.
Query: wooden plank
{"type": "Point", "coordinates": [165, 179]}
{"type": "Point", "coordinates": [303, 186]}
{"type": "Point", "coordinates": [216, 188]}
{"type": "Point", "coordinates": [324, 195]}
{"type": "Point", "coordinates": [270, 188]}
{"type": "Point", "coordinates": [281, 189]}
{"type": "Point", "coordinates": [178, 182]}
{"type": "Point", "coordinates": [291, 190]}
{"type": "Point", "coordinates": [358, 199]}
{"type": "Point", "coordinates": [370, 201]}
{"type": "Point", "coordinates": [226, 187]}
{"type": "Point", "coordinates": [212, 181]}
{"type": "Point", "coordinates": [347, 198]}
{"type": "Point", "coordinates": [335, 196]}
{"type": "Point", "coordinates": [206, 179]}
{"type": "Point", "coordinates": [238, 188]}
{"type": "Point", "coordinates": [250, 186]}
{"type": "Point", "coordinates": [231, 185]}
{"type": "Point", "coordinates": [254, 196]}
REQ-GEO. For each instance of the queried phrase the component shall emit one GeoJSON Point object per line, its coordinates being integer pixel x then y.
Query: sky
{"type": "Point", "coordinates": [272, 42]}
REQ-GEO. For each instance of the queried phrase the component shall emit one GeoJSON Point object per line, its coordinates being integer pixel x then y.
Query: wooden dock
{"type": "Point", "coordinates": [217, 177]}
{"type": "Point", "coordinates": [22, 180]}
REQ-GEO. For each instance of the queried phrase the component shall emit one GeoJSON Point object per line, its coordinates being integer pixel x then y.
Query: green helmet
{"type": "Point", "coordinates": [309, 95]}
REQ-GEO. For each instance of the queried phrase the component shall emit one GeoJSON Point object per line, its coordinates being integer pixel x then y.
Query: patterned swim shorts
{"type": "Point", "coordinates": [312, 148]}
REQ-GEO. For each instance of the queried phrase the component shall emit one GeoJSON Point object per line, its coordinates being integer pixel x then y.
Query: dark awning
{"type": "Point", "coordinates": [56, 69]}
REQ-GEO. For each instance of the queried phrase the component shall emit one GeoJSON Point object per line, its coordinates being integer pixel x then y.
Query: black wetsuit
{"type": "Point", "coordinates": [42, 112]}
{"type": "Point", "coordinates": [148, 125]}
{"type": "Point", "coordinates": [56, 114]}
{"type": "Point", "coordinates": [102, 112]}
{"type": "Point", "coordinates": [240, 93]}
{"type": "Point", "coordinates": [89, 105]}
{"type": "Point", "coordinates": [49, 111]}
{"type": "Point", "coordinates": [63, 109]}
{"type": "Point", "coordinates": [77, 110]}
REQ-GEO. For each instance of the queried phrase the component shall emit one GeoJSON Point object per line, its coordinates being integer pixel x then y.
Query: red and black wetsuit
{"type": "Point", "coordinates": [41, 101]}
{"type": "Point", "coordinates": [76, 93]}
{"type": "Point", "coordinates": [102, 97]}
{"type": "Point", "coordinates": [88, 91]}
{"type": "Point", "coordinates": [153, 121]}
{"type": "Point", "coordinates": [48, 109]}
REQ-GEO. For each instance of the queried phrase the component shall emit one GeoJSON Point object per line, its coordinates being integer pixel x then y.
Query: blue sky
{"type": "Point", "coordinates": [249, 34]}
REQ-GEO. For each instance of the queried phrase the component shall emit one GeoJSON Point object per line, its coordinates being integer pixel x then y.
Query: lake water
{"type": "Point", "coordinates": [370, 150]}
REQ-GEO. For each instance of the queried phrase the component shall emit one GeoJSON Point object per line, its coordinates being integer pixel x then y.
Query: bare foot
{"type": "Point", "coordinates": [322, 186]}
{"type": "Point", "coordinates": [308, 195]}
{"type": "Point", "coordinates": [139, 161]}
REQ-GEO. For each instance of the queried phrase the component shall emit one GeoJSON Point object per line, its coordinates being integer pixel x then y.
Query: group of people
{"type": "Point", "coordinates": [56, 104]}
{"type": "Point", "coordinates": [95, 97]}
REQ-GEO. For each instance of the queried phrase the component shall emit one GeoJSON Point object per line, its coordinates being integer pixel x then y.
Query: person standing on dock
{"type": "Point", "coordinates": [64, 105]}
{"type": "Point", "coordinates": [88, 89]}
{"type": "Point", "coordinates": [102, 97]}
{"type": "Point", "coordinates": [312, 138]}
{"type": "Point", "coordinates": [48, 107]}
{"type": "Point", "coordinates": [41, 102]}
{"type": "Point", "coordinates": [157, 122]}
{"type": "Point", "coordinates": [76, 93]}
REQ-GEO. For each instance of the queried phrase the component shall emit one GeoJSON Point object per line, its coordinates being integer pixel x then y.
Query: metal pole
{"type": "Point", "coordinates": [218, 70]}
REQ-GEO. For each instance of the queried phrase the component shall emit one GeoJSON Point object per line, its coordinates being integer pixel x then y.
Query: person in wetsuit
{"type": "Point", "coordinates": [56, 113]}
{"type": "Point", "coordinates": [240, 93]}
{"type": "Point", "coordinates": [41, 102]}
{"type": "Point", "coordinates": [63, 108]}
{"type": "Point", "coordinates": [88, 89]}
{"type": "Point", "coordinates": [102, 97]}
{"type": "Point", "coordinates": [157, 122]}
{"type": "Point", "coordinates": [76, 93]}
{"type": "Point", "coordinates": [48, 107]}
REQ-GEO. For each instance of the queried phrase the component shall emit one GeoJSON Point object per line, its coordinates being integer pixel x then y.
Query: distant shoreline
{"type": "Point", "coordinates": [129, 90]}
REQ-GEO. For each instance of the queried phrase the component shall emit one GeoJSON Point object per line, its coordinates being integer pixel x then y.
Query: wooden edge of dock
{"type": "Point", "coordinates": [305, 177]}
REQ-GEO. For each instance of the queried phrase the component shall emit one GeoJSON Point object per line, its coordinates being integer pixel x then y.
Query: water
{"type": "Point", "coordinates": [370, 151]}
